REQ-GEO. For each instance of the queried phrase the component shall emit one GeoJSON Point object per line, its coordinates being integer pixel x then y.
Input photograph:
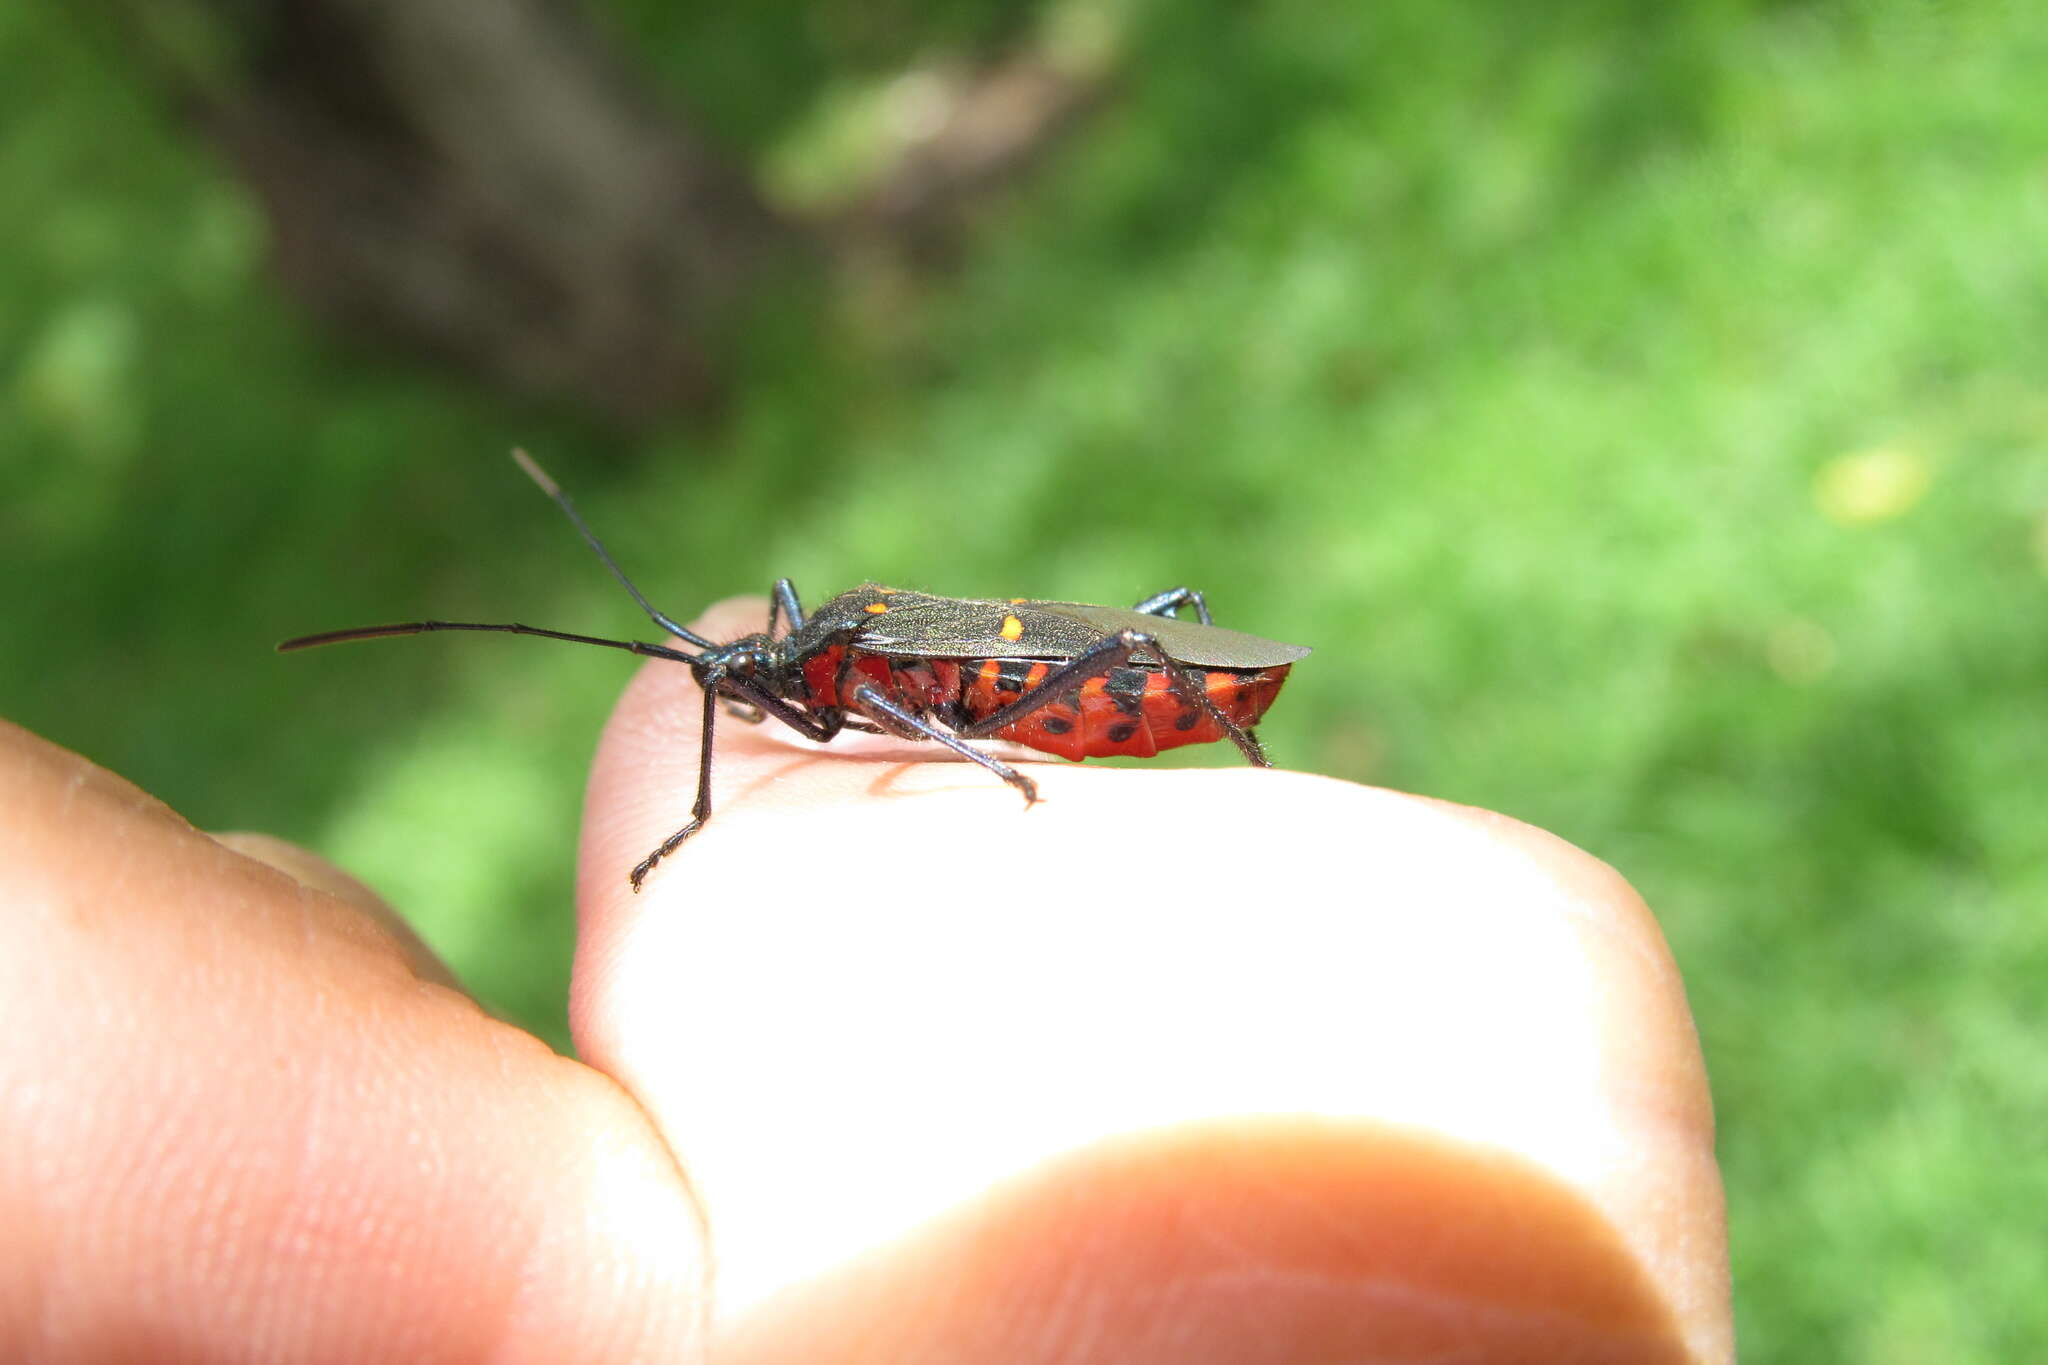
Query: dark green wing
{"type": "Point", "coordinates": [961, 628]}
{"type": "Point", "coordinates": [948, 627]}
{"type": "Point", "coordinates": [1189, 642]}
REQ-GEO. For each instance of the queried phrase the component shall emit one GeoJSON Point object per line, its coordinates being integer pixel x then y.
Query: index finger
{"type": "Point", "coordinates": [1213, 1064]}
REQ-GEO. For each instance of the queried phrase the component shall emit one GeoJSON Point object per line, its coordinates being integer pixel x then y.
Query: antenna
{"type": "Point", "coordinates": [561, 500]}
{"type": "Point", "coordinates": [335, 637]}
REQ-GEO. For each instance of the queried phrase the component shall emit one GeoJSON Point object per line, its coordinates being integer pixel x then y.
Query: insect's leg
{"type": "Point", "coordinates": [761, 704]}
{"type": "Point", "coordinates": [746, 710]}
{"type": "Point", "coordinates": [1114, 651]}
{"type": "Point", "coordinates": [699, 813]}
{"type": "Point", "coordinates": [909, 725]}
{"type": "Point", "coordinates": [839, 680]}
{"type": "Point", "coordinates": [1194, 694]}
{"type": "Point", "coordinates": [1170, 602]}
{"type": "Point", "coordinates": [806, 723]}
{"type": "Point", "coordinates": [750, 693]}
{"type": "Point", "coordinates": [1111, 651]}
{"type": "Point", "coordinates": [841, 674]}
{"type": "Point", "coordinates": [784, 604]}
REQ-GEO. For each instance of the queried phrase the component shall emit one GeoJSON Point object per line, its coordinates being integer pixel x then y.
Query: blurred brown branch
{"type": "Point", "coordinates": [492, 184]}
{"type": "Point", "coordinates": [981, 126]}
{"type": "Point", "coordinates": [484, 181]}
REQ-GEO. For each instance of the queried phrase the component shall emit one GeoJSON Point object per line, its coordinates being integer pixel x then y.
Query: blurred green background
{"type": "Point", "coordinates": [1641, 408]}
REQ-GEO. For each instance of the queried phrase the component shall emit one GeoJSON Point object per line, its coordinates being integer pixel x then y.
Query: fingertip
{"type": "Point", "coordinates": [1669, 1198]}
{"type": "Point", "coordinates": [1344, 952]}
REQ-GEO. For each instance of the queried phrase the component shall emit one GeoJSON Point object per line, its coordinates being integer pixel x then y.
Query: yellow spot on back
{"type": "Point", "coordinates": [1019, 601]}
{"type": "Point", "coordinates": [877, 608]}
{"type": "Point", "coordinates": [1013, 629]}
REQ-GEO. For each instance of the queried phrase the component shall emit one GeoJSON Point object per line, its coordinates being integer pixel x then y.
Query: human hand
{"type": "Point", "coordinates": [1177, 1066]}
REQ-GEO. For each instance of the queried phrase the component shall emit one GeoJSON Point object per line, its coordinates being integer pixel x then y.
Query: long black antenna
{"type": "Point", "coordinates": [335, 637]}
{"type": "Point", "coordinates": [561, 500]}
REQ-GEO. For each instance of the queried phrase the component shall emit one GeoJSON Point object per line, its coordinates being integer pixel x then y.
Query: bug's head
{"type": "Point", "coordinates": [750, 656]}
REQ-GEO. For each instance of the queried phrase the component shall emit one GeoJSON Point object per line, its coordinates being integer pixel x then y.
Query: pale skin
{"type": "Point", "coordinates": [1177, 1066]}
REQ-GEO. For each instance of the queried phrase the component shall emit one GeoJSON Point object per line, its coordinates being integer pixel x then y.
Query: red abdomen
{"type": "Point", "coordinates": [919, 684]}
{"type": "Point", "coordinates": [1132, 712]}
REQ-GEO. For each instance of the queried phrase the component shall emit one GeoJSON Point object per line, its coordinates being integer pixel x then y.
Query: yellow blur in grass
{"type": "Point", "coordinates": [1871, 485]}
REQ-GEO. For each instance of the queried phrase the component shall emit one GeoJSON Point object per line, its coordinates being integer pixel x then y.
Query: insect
{"type": "Point", "coordinates": [1065, 678]}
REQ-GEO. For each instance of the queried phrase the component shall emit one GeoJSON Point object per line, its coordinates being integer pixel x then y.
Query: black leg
{"type": "Point", "coordinates": [818, 727]}
{"type": "Point", "coordinates": [746, 692]}
{"type": "Point", "coordinates": [744, 711]}
{"type": "Point", "coordinates": [702, 810]}
{"type": "Point", "coordinates": [1170, 602]}
{"type": "Point", "coordinates": [784, 604]}
{"type": "Point", "coordinates": [908, 725]}
{"type": "Point", "coordinates": [1187, 689]}
{"type": "Point", "coordinates": [1114, 651]}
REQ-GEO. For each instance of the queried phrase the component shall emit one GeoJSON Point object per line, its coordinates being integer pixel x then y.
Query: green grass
{"type": "Point", "coordinates": [1640, 408]}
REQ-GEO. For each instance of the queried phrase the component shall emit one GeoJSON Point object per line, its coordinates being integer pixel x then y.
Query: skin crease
{"type": "Point", "coordinates": [1177, 1066]}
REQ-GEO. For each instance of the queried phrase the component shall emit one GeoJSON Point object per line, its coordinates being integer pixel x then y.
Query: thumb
{"type": "Point", "coordinates": [241, 1118]}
